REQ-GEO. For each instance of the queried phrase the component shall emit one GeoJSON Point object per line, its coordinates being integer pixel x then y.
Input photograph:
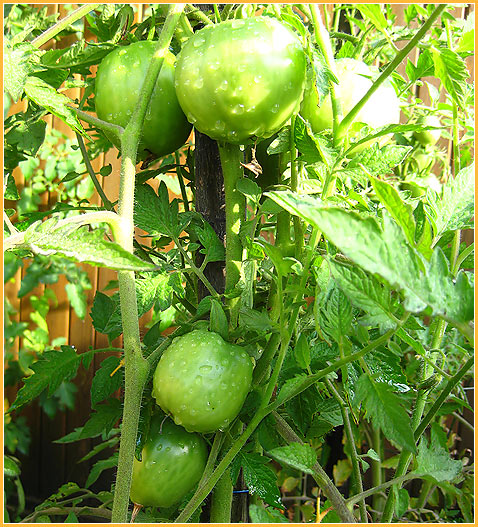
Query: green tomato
{"type": "Point", "coordinates": [380, 110]}
{"type": "Point", "coordinates": [428, 137]}
{"type": "Point", "coordinates": [202, 381]}
{"type": "Point", "coordinates": [118, 84]}
{"type": "Point", "coordinates": [173, 461]}
{"type": "Point", "coordinates": [241, 79]}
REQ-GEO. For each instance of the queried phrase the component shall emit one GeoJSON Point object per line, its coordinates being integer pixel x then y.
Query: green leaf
{"type": "Point", "coordinates": [218, 321]}
{"type": "Point", "coordinates": [11, 191]}
{"type": "Point", "coordinates": [250, 189]}
{"type": "Point", "coordinates": [213, 248]}
{"type": "Point", "coordinates": [54, 367]}
{"type": "Point", "coordinates": [265, 515]}
{"type": "Point", "coordinates": [400, 211]}
{"type": "Point", "coordinates": [335, 317]}
{"type": "Point", "coordinates": [451, 69]}
{"type": "Point", "coordinates": [455, 209]}
{"type": "Point", "coordinates": [299, 456]}
{"type": "Point", "coordinates": [402, 501]}
{"type": "Point", "coordinates": [386, 412]}
{"type": "Point", "coordinates": [260, 479]}
{"type": "Point", "coordinates": [435, 463]}
{"type": "Point", "coordinates": [81, 245]}
{"type": "Point", "coordinates": [373, 13]}
{"type": "Point", "coordinates": [155, 214]}
{"type": "Point", "coordinates": [104, 383]}
{"type": "Point", "coordinates": [47, 97]}
{"type": "Point", "coordinates": [77, 299]}
{"type": "Point", "coordinates": [367, 293]}
{"type": "Point", "coordinates": [106, 315]}
{"type": "Point", "coordinates": [99, 467]}
{"type": "Point", "coordinates": [102, 419]}
{"type": "Point", "coordinates": [254, 320]}
{"type": "Point", "coordinates": [18, 63]}
{"type": "Point", "coordinates": [302, 352]}
{"type": "Point", "coordinates": [376, 161]}
{"type": "Point", "coordinates": [386, 368]}
{"type": "Point", "coordinates": [384, 250]}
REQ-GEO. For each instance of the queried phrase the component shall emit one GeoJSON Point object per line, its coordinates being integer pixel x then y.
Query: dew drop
{"type": "Point", "coordinates": [198, 379]}
{"type": "Point", "coordinates": [241, 67]}
{"type": "Point", "coordinates": [237, 23]}
{"type": "Point", "coordinates": [257, 79]}
{"type": "Point", "coordinates": [275, 108]}
{"type": "Point", "coordinates": [198, 42]}
{"type": "Point", "coordinates": [220, 125]}
{"type": "Point", "coordinates": [198, 83]}
{"type": "Point", "coordinates": [206, 368]}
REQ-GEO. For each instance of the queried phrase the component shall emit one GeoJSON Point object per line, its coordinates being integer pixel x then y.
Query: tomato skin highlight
{"type": "Point", "coordinates": [173, 462]}
{"type": "Point", "coordinates": [380, 110]}
{"type": "Point", "coordinates": [117, 87]}
{"type": "Point", "coordinates": [202, 381]}
{"type": "Point", "coordinates": [241, 79]}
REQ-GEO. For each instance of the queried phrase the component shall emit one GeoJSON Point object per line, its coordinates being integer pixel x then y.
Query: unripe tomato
{"type": "Point", "coordinates": [241, 79]}
{"type": "Point", "coordinates": [173, 461]}
{"type": "Point", "coordinates": [380, 110]}
{"type": "Point", "coordinates": [428, 137]}
{"type": "Point", "coordinates": [118, 84]}
{"type": "Point", "coordinates": [202, 381]}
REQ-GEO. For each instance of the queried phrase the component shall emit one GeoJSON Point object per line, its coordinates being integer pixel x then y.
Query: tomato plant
{"type": "Point", "coordinates": [354, 80]}
{"type": "Point", "coordinates": [336, 287]}
{"type": "Point", "coordinates": [117, 88]}
{"type": "Point", "coordinates": [202, 381]}
{"type": "Point", "coordinates": [172, 462]}
{"type": "Point", "coordinates": [241, 79]}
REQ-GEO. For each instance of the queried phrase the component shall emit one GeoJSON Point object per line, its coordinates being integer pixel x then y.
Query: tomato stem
{"type": "Point", "coordinates": [231, 157]}
{"type": "Point", "coordinates": [136, 366]}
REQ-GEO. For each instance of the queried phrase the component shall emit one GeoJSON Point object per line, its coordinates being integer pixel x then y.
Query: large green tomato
{"type": "Point", "coordinates": [118, 83]}
{"type": "Point", "coordinates": [380, 110]}
{"type": "Point", "coordinates": [173, 461]}
{"type": "Point", "coordinates": [241, 79]}
{"type": "Point", "coordinates": [202, 381]}
{"type": "Point", "coordinates": [428, 137]}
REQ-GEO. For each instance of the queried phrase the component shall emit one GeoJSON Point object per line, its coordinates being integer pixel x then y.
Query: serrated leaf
{"type": "Point", "coordinates": [386, 412]}
{"type": "Point", "coordinates": [105, 383]}
{"type": "Point", "coordinates": [54, 367]}
{"type": "Point", "coordinates": [384, 250]}
{"type": "Point", "coordinates": [302, 352]}
{"type": "Point", "coordinates": [299, 456]}
{"type": "Point", "coordinates": [288, 387]}
{"type": "Point", "coordinates": [386, 368]}
{"type": "Point", "coordinates": [218, 321]}
{"type": "Point", "coordinates": [260, 479]}
{"type": "Point", "coordinates": [376, 161]}
{"type": "Point", "coordinates": [81, 245]}
{"type": "Point", "coordinates": [18, 63]}
{"type": "Point", "coordinates": [102, 419]}
{"type": "Point", "coordinates": [250, 189]}
{"type": "Point", "coordinates": [434, 462]}
{"type": "Point", "coordinates": [367, 293]}
{"type": "Point", "coordinates": [265, 515]}
{"type": "Point", "coordinates": [99, 467]}
{"type": "Point", "coordinates": [451, 69]}
{"type": "Point", "coordinates": [335, 317]}
{"type": "Point", "coordinates": [455, 208]}
{"type": "Point", "coordinates": [213, 248]}
{"type": "Point", "coordinates": [56, 103]}
{"type": "Point", "coordinates": [400, 211]}
{"type": "Point", "coordinates": [155, 214]}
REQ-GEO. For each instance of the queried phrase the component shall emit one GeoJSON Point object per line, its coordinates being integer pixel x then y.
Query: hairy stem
{"type": "Point", "coordinates": [136, 366]}
{"type": "Point", "coordinates": [75, 15]}
{"type": "Point", "coordinates": [319, 474]}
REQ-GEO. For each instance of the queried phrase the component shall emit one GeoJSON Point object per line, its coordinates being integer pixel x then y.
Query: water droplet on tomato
{"type": "Point", "coordinates": [237, 23]}
{"type": "Point", "coordinates": [239, 109]}
{"type": "Point", "coordinates": [220, 125]}
{"type": "Point", "coordinates": [198, 42]}
{"type": "Point", "coordinates": [198, 379]}
{"type": "Point", "coordinates": [275, 108]}
{"type": "Point", "coordinates": [206, 368]}
{"type": "Point", "coordinates": [199, 83]}
{"type": "Point", "coordinates": [257, 79]}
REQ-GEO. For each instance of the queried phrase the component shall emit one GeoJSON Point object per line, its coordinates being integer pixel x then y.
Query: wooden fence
{"type": "Point", "coordinates": [49, 465]}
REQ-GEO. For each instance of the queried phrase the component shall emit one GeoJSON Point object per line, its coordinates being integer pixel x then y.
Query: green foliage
{"type": "Point", "coordinates": [355, 298]}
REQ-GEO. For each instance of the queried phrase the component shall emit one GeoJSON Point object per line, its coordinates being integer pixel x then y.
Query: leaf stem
{"type": "Point", "coordinates": [348, 119]}
{"type": "Point", "coordinates": [106, 202]}
{"type": "Point", "coordinates": [355, 458]}
{"type": "Point", "coordinates": [75, 15]}
{"type": "Point", "coordinates": [319, 474]}
{"type": "Point", "coordinates": [113, 129]}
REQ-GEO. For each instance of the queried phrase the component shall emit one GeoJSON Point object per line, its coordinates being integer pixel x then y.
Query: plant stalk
{"type": "Point", "coordinates": [136, 366]}
{"type": "Point", "coordinates": [319, 474]}
{"type": "Point", "coordinates": [75, 15]}
{"type": "Point", "coordinates": [231, 157]}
